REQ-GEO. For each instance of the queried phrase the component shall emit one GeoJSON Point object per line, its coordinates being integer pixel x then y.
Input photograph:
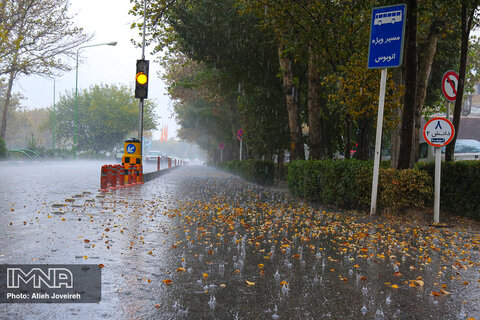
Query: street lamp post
{"type": "Point", "coordinates": [114, 43]}
{"type": "Point", "coordinates": [53, 120]}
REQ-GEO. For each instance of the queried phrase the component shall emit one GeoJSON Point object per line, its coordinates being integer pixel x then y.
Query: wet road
{"type": "Point", "coordinates": [201, 244]}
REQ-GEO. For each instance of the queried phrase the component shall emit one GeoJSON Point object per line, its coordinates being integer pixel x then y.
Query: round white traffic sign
{"type": "Point", "coordinates": [449, 85]}
{"type": "Point", "coordinates": [438, 132]}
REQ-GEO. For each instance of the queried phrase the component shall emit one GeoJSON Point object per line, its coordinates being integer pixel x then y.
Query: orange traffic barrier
{"type": "Point", "coordinates": [103, 179]}
{"type": "Point", "coordinates": [134, 174]}
{"type": "Point", "coordinates": [169, 163]}
{"type": "Point", "coordinates": [140, 174]}
{"type": "Point", "coordinates": [121, 176]}
{"type": "Point", "coordinates": [112, 177]}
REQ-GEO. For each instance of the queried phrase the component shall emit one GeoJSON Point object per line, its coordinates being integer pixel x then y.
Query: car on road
{"type": "Point", "coordinates": [465, 149]}
{"type": "Point", "coordinates": [118, 154]}
{"type": "Point", "coordinates": [152, 155]}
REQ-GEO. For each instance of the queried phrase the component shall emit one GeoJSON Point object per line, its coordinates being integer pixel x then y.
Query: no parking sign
{"type": "Point", "coordinates": [449, 85]}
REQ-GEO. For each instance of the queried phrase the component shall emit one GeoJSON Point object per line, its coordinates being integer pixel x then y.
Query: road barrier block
{"type": "Point", "coordinates": [103, 178]}
{"type": "Point", "coordinates": [112, 177]}
{"type": "Point", "coordinates": [140, 174]}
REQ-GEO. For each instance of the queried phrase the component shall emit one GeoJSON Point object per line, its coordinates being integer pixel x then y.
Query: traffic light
{"type": "Point", "coordinates": [141, 79]}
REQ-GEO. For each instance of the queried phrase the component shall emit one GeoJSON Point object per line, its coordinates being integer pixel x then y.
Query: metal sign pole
{"type": "Point", "coordinates": [240, 150]}
{"type": "Point", "coordinates": [221, 155]}
{"type": "Point", "coordinates": [436, 202]}
{"type": "Point", "coordinates": [438, 132]}
{"type": "Point", "coordinates": [448, 110]}
{"type": "Point", "coordinates": [378, 142]}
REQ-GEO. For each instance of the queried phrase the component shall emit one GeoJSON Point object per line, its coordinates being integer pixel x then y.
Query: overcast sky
{"type": "Point", "coordinates": [109, 21]}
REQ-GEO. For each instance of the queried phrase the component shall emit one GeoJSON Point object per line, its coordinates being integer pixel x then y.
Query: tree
{"type": "Point", "coordinates": [25, 125]}
{"type": "Point", "coordinates": [233, 59]}
{"type": "Point", "coordinates": [37, 34]}
{"type": "Point", "coordinates": [357, 96]}
{"type": "Point", "coordinates": [106, 114]}
{"type": "Point", "coordinates": [411, 63]}
{"type": "Point", "coordinates": [469, 8]}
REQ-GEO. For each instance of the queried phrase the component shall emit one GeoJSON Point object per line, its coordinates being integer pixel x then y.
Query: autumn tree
{"type": "Point", "coordinates": [37, 36]}
{"type": "Point", "coordinates": [357, 96]}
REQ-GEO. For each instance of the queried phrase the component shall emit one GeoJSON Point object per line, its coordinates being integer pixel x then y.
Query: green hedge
{"type": "Point", "coordinates": [3, 149]}
{"type": "Point", "coordinates": [257, 171]}
{"type": "Point", "coordinates": [348, 184]}
{"type": "Point", "coordinates": [459, 188]}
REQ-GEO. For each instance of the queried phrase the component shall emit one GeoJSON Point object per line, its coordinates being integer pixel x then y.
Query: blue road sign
{"type": "Point", "coordinates": [386, 36]}
{"type": "Point", "coordinates": [131, 148]}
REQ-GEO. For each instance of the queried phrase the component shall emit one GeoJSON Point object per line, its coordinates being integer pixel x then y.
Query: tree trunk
{"type": "Point", "coordinates": [425, 65]}
{"type": "Point", "coordinates": [408, 116]}
{"type": "Point", "coordinates": [399, 78]}
{"type": "Point", "coordinates": [8, 96]}
{"type": "Point", "coordinates": [296, 139]}
{"type": "Point", "coordinates": [467, 18]}
{"type": "Point", "coordinates": [314, 108]}
{"type": "Point", "coordinates": [363, 139]}
{"type": "Point", "coordinates": [348, 137]}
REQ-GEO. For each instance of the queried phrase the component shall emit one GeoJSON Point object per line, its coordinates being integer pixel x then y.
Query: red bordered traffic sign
{"type": "Point", "coordinates": [449, 85]}
{"type": "Point", "coordinates": [221, 145]}
{"type": "Point", "coordinates": [240, 134]}
{"type": "Point", "coordinates": [438, 132]}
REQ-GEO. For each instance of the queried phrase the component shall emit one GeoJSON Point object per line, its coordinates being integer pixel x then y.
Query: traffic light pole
{"type": "Point", "coordinates": [140, 107]}
{"type": "Point", "coordinates": [140, 125]}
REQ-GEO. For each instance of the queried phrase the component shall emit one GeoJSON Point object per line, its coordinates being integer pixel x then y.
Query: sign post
{"type": "Point", "coordinates": [385, 51]}
{"type": "Point", "coordinates": [240, 137]}
{"type": "Point", "coordinates": [438, 132]}
{"type": "Point", "coordinates": [449, 88]}
{"type": "Point", "coordinates": [221, 146]}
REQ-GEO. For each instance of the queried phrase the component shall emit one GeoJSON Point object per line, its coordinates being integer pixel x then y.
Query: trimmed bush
{"type": "Point", "coordinates": [348, 184]}
{"type": "Point", "coordinates": [460, 184]}
{"type": "Point", "coordinates": [403, 189]}
{"type": "Point", "coordinates": [257, 171]}
{"type": "Point", "coordinates": [3, 149]}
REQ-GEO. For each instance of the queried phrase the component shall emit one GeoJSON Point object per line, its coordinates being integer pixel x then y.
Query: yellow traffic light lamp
{"type": "Point", "coordinates": [141, 79]}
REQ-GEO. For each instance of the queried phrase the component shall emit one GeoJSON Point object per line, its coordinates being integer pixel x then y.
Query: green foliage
{"type": "Point", "coordinates": [34, 145]}
{"type": "Point", "coordinates": [3, 149]}
{"type": "Point", "coordinates": [253, 170]}
{"type": "Point", "coordinates": [234, 47]}
{"type": "Point", "coordinates": [106, 114]}
{"type": "Point", "coordinates": [331, 182]}
{"type": "Point", "coordinates": [460, 182]}
{"type": "Point", "coordinates": [348, 183]}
